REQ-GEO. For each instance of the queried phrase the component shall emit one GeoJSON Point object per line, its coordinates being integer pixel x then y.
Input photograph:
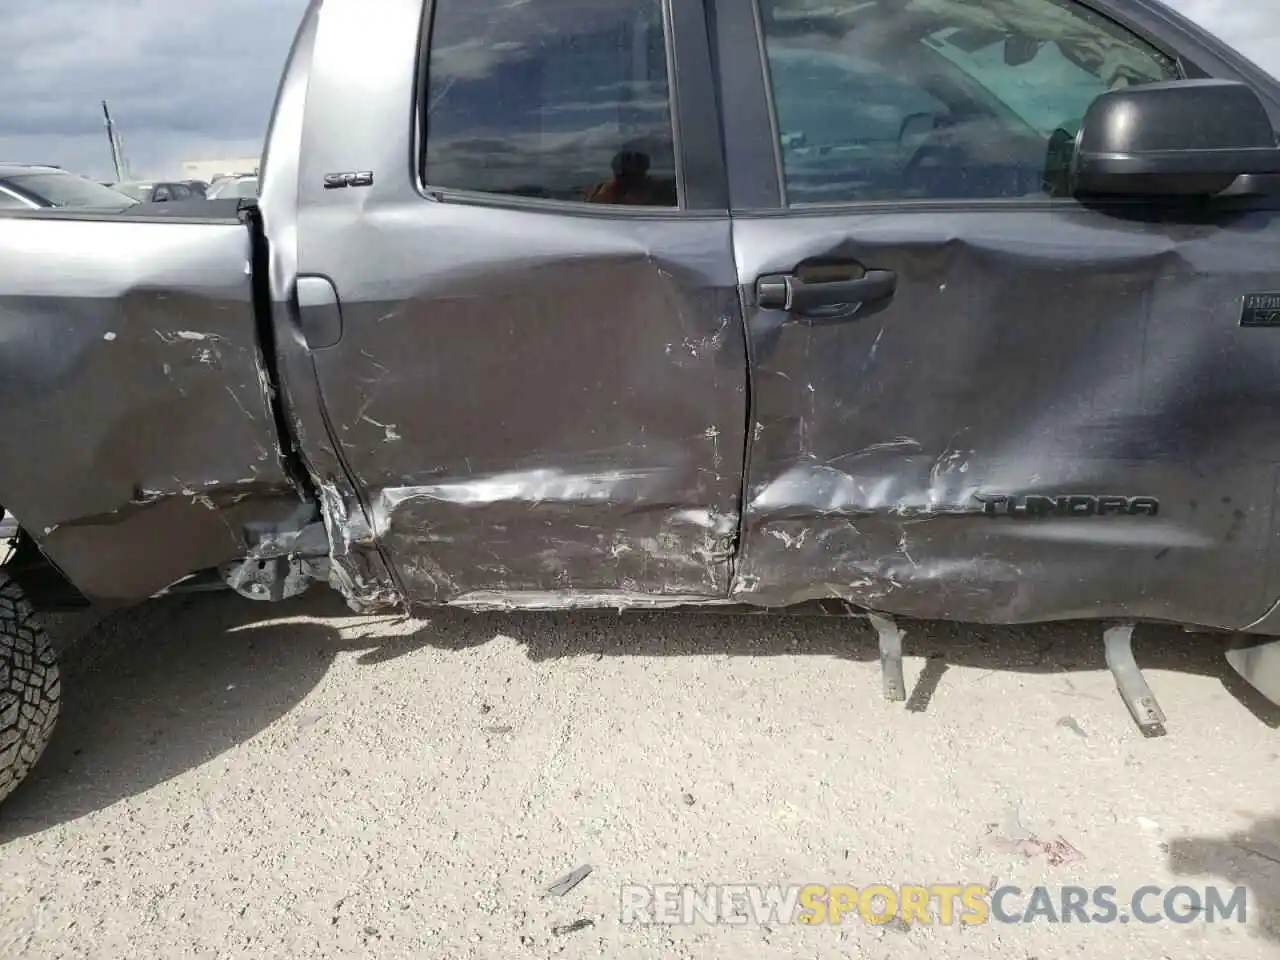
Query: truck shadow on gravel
{"type": "Point", "coordinates": [1249, 858]}
{"type": "Point", "coordinates": [155, 691]}
{"type": "Point", "coordinates": [152, 692]}
{"type": "Point", "coordinates": [1042, 648]}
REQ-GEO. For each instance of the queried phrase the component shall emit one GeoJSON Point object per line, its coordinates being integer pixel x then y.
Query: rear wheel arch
{"type": "Point", "coordinates": [43, 584]}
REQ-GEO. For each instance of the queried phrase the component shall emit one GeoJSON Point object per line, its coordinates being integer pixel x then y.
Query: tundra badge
{"type": "Point", "coordinates": [1260, 310]}
{"type": "Point", "coordinates": [999, 505]}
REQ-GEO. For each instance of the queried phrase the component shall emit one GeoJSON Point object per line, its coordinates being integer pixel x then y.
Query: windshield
{"type": "Point", "coordinates": [68, 190]}
{"type": "Point", "coordinates": [1049, 85]}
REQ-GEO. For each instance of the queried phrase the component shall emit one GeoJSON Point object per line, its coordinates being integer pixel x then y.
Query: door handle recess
{"type": "Point", "coordinates": [786, 291]}
{"type": "Point", "coordinates": [319, 311]}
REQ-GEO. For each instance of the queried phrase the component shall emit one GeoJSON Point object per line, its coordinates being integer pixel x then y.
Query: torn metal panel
{"type": "Point", "coordinates": [138, 438]}
{"type": "Point", "coordinates": [533, 532]}
{"type": "Point", "coordinates": [356, 567]}
{"type": "Point", "coordinates": [1058, 415]}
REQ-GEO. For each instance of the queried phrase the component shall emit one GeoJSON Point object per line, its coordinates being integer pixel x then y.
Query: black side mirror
{"type": "Point", "coordinates": [1183, 138]}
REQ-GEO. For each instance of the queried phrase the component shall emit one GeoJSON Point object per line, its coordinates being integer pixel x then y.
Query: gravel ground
{"type": "Point", "coordinates": [237, 780]}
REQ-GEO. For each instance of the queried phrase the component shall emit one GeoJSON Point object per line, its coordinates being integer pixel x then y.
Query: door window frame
{"type": "Point", "coordinates": [701, 176]}
{"type": "Point", "coordinates": [754, 151]}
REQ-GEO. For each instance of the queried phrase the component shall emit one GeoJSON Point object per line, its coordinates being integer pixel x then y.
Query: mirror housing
{"type": "Point", "coordinates": [1182, 138]}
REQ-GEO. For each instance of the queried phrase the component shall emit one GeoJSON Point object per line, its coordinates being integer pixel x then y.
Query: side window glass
{"type": "Point", "coordinates": [950, 99]}
{"type": "Point", "coordinates": [562, 101]}
{"type": "Point", "coordinates": [9, 202]}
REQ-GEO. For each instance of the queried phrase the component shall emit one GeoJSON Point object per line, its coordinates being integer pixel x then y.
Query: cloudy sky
{"type": "Point", "coordinates": [189, 82]}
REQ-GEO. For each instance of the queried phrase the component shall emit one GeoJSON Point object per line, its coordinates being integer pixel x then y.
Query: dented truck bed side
{"type": "Point", "coordinates": [139, 443]}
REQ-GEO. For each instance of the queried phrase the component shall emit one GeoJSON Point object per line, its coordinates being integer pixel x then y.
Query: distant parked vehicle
{"type": "Point", "coordinates": [152, 191]}
{"type": "Point", "coordinates": [241, 186]}
{"type": "Point", "coordinates": [28, 186]}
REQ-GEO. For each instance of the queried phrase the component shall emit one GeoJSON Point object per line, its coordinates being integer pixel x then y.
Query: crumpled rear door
{"type": "Point", "coordinates": [539, 398]}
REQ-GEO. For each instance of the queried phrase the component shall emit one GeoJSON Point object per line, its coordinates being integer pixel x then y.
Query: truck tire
{"type": "Point", "coordinates": [30, 687]}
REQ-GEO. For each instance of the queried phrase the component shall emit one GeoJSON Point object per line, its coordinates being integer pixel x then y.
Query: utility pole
{"type": "Point", "coordinates": [117, 160]}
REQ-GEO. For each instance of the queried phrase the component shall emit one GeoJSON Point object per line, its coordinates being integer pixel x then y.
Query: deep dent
{"type": "Point", "coordinates": [1024, 354]}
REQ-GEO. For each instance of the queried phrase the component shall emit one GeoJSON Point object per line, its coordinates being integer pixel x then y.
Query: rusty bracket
{"type": "Point", "coordinates": [1133, 687]}
{"type": "Point", "coordinates": [895, 685]}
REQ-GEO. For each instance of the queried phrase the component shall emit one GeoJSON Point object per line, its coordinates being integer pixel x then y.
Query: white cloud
{"type": "Point", "coordinates": [184, 81]}
{"type": "Point", "coordinates": [1251, 26]}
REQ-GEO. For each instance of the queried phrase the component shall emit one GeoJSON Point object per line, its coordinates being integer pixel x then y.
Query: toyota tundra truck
{"type": "Point", "coordinates": [958, 310]}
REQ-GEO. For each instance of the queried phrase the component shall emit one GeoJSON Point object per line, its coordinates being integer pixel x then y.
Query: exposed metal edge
{"type": "Point", "coordinates": [287, 445]}
{"type": "Point", "coordinates": [8, 536]}
{"type": "Point", "coordinates": [554, 600]}
{"type": "Point", "coordinates": [551, 601]}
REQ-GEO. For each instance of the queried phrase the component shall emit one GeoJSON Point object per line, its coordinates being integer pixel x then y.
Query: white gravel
{"type": "Point", "coordinates": [237, 780]}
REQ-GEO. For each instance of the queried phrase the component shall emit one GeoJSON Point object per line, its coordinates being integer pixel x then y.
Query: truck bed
{"type": "Point", "coordinates": [136, 403]}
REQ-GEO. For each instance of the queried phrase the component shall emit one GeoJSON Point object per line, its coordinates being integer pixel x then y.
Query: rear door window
{"type": "Point", "coordinates": [554, 99]}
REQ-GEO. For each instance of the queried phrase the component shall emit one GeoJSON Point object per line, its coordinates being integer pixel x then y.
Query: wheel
{"type": "Point", "coordinates": [30, 688]}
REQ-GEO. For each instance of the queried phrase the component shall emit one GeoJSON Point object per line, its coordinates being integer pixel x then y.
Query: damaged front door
{"type": "Point", "coordinates": [975, 398]}
{"type": "Point", "coordinates": [539, 383]}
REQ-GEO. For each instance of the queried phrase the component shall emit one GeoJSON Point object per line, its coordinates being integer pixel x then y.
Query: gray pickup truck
{"type": "Point", "coordinates": [950, 309]}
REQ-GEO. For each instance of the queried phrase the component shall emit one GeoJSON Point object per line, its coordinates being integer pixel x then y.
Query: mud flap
{"type": "Point", "coordinates": [1259, 664]}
